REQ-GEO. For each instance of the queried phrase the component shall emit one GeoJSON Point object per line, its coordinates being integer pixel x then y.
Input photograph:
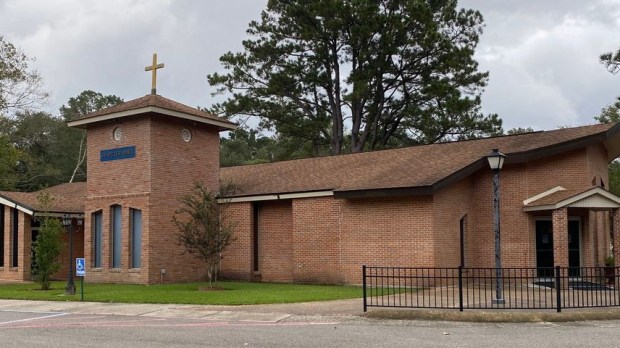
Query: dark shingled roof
{"type": "Point", "coordinates": [156, 100]}
{"type": "Point", "coordinates": [67, 198]}
{"type": "Point", "coordinates": [428, 167]}
{"type": "Point", "coordinates": [425, 166]}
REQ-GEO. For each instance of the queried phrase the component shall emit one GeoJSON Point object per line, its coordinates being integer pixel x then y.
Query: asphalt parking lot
{"type": "Point", "coordinates": [12, 320]}
{"type": "Point", "coordinates": [61, 329]}
{"type": "Point", "coordinates": [28, 328]}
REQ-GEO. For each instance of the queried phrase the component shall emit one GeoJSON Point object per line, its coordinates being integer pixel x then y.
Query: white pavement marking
{"type": "Point", "coordinates": [30, 319]}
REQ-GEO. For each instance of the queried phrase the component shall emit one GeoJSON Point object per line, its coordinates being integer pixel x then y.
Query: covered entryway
{"type": "Point", "coordinates": [20, 214]}
{"type": "Point", "coordinates": [559, 238]}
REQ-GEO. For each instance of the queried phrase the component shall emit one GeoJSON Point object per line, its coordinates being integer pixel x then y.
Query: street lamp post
{"type": "Point", "coordinates": [496, 161]}
{"type": "Point", "coordinates": [67, 223]}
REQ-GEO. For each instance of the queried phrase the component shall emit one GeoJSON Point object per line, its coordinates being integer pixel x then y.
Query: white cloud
{"type": "Point", "coordinates": [542, 55]}
{"type": "Point", "coordinates": [543, 61]}
{"type": "Point", "coordinates": [104, 45]}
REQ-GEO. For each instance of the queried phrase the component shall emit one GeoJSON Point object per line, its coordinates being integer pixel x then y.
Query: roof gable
{"type": "Point", "coordinates": [591, 198]}
{"type": "Point", "coordinates": [17, 205]}
{"type": "Point", "coordinates": [152, 103]}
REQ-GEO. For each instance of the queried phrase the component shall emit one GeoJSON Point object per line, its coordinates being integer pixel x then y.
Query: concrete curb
{"type": "Point", "coordinates": [495, 317]}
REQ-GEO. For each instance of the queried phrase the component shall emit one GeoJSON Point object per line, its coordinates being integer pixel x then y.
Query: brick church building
{"type": "Point", "coordinates": [319, 220]}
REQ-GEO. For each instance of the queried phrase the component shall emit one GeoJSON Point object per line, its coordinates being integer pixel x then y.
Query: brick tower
{"type": "Point", "coordinates": [142, 156]}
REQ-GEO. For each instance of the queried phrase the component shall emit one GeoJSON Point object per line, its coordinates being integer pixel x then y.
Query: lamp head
{"type": "Point", "coordinates": [496, 159]}
{"type": "Point", "coordinates": [66, 220]}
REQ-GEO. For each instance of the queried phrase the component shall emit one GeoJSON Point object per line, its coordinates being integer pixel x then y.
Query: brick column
{"type": "Point", "coordinates": [24, 247]}
{"type": "Point", "coordinates": [560, 237]}
{"type": "Point", "coordinates": [7, 243]}
{"type": "Point", "coordinates": [616, 234]}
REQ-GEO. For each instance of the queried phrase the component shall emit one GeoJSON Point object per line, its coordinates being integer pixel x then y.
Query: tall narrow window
{"type": "Point", "coordinates": [255, 236]}
{"type": "Point", "coordinates": [116, 226]}
{"type": "Point", "coordinates": [97, 226]}
{"type": "Point", "coordinates": [15, 260]}
{"type": "Point", "coordinates": [135, 216]}
{"type": "Point", "coordinates": [1, 235]}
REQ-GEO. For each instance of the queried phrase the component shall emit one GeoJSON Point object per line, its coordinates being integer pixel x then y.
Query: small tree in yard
{"type": "Point", "coordinates": [202, 229]}
{"type": "Point", "coordinates": [47, 247]}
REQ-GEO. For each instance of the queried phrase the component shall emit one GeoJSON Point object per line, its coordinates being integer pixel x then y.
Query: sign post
{"type": "Point", "coordinates": [80, 271]}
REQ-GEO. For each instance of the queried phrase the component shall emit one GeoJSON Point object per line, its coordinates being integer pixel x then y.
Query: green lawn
{"type": "Point", "coordinates": [233, 293]}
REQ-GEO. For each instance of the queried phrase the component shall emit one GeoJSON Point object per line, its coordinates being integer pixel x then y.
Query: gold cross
{"type": "Point", "coordinates": [154, 68]}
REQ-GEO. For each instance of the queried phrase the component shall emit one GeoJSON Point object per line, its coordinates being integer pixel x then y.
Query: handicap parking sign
{"type": "Point", "coordinates": [80, 267]}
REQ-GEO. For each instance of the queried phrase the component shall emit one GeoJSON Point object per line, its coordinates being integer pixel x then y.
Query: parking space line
{"type": "Point", "coordinates": [35, 318]}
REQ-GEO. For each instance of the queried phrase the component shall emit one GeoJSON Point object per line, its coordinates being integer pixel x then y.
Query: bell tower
{"type": "Point", "coordinates": [143, 155]}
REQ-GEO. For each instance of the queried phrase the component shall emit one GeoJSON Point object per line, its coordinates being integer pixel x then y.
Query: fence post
{"type": "Point", "coordinates": [461, 288]}
{"type": "Point", "coordinates": [364, 286]}
{"type": "Point", "coordinates": [558, 290]}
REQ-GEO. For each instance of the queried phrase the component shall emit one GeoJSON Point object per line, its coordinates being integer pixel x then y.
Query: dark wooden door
{"type": "Point", "coordinates": [574, 253]}
{"type": "Point", "coordinates": [544, 248]}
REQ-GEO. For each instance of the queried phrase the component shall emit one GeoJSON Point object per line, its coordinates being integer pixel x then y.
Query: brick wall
{"type": "Point", "coordinates": [517, 228]}
{"type": "Point", "coordinates": [450, 205]}
{"type": "Point", "coordinates": [385, 232]}
{"type": "Point", "coordinates": [165, 168]}
{"type": "Point", "coordinates": [176, 166]}
{"type": "Point", "coordinates": [119, 177]}
{"type": "Point", "coordinates": [327, 240]}
{"type": "Point", "coordinates": [599, 227]}
{"type": "Point", "coordinates": [237, 258]}
{"type": "Point", "coordinates": [596, 157]}
{"type": "Point", "coordinates": [125, 182]}
{"type": "Point", "coordinates": [275, 241]}
{"type": "Point", "coordinates": [316, 240]}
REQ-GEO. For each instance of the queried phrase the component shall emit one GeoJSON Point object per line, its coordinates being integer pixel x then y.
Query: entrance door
{"type": "Point", "coordinates": [544, 248]}
{"type": "Point", "coordinates": [574, 260]}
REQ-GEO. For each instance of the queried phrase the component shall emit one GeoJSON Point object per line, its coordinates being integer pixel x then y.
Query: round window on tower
{"type": "Point", "coordinates": [186, 135]}
{"type": "Point", "coordinates": [118, 133]}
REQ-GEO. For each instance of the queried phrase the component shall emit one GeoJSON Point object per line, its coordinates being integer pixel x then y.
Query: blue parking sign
{"type": "Point", "coordinates": [80, 267]}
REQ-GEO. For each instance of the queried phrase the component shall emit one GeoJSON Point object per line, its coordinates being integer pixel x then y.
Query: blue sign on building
{"type": "Point", "coordinates": [117, 154]}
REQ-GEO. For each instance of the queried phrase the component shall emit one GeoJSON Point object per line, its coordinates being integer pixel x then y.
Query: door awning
{"type": "Point", "coordinates": [559, 197]}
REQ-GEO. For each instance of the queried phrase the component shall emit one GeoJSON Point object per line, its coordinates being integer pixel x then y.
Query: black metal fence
{"type": "Point", "coordinates": [490, 288]}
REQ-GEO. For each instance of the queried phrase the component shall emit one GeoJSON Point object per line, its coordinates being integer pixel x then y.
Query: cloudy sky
{"type": "Point", "coordinates": [542, 55]}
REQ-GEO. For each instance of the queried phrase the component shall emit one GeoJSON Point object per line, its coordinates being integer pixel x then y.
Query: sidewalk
{"type": "Point", "coordinates": [316, 311]}
{"type": "Point", "coordinates": [260, 313]}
